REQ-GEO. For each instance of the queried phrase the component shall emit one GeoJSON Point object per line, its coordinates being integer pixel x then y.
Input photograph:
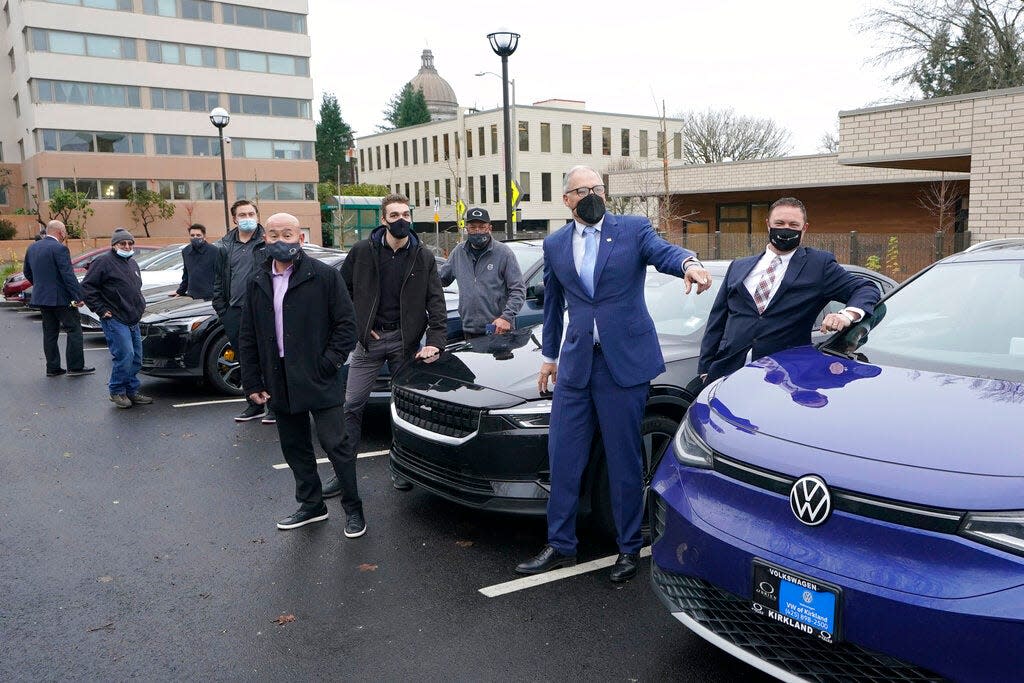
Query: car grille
{"type": "Point", "coordinates": [440, 417]}
{"type": "Point", "coordinates": [441, 473]}
{"type": "Point", "coordinates": [731, 618]}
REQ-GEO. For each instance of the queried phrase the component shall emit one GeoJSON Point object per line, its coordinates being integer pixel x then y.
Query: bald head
{"type": "Point", "coordinates": [281, 220]}
{"type": "Point", "coordinates": [57, 229]}
{"type": "Point", "coordinates": [283, 227]}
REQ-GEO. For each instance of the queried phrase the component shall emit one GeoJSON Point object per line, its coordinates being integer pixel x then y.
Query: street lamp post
{"type": "Point", "coordinates": [220, 118]}
{"type": "Point", "coordinates": [504, 43]}
{"type": "Point", "coordinates": [512, 110]}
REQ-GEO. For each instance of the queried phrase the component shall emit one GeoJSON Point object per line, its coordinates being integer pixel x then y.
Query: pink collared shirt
{"type": "Point", "coordinates": [280, 283]}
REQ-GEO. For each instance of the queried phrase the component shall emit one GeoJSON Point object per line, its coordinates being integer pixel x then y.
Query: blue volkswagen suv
{"type": "Point", "coordinates": [855, 510]}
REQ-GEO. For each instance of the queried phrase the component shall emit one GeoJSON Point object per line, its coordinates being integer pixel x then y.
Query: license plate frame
{"type": "Point", "coordinates": [803, 603]}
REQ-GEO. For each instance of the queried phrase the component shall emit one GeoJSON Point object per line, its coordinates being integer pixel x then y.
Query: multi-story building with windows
{"type": "Point", "coordinates": [463, 158]}
{"type": "Point", "coordinates": [107, 95]}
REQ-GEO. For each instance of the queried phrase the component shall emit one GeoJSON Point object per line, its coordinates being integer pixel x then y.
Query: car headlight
{"type": "Point", "coordinates": [183, 325]}
{"type": "Point", "coordinates": [532, 415]}
{"type": "Point", "coordinates": [690, 449]}
{"type": "Point", "coordinates": [1003, 530]}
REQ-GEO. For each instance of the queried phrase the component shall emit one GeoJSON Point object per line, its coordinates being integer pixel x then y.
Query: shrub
{"type": "Point", "coordinates": [7, 230]}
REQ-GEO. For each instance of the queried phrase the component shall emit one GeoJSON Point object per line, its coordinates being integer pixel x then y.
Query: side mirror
{"type": "Point", "coordinates": [536, 292]}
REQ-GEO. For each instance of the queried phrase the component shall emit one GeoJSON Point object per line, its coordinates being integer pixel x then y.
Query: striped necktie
{"type": "Point", "coordinates": [762, 295]}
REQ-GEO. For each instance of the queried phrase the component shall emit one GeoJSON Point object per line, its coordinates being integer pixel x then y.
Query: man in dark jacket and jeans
{"type": "Point", "coordinates": [240, 252]}
{"type": "Point", "coordinates": [297, 331]}
{"type": "Point", "coordinates": [113, 290]}
{"type": "Point", "coordinates": [397, 295]}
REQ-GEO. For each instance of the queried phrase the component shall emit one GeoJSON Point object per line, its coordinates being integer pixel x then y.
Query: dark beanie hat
{"type": "Point", "coordinates": [121, 235]}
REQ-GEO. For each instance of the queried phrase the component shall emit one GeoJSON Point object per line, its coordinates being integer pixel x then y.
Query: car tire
{"type": "Point", "coordinates": [221, 369]}
{"type": "Point", "coordinates": [657, 432]}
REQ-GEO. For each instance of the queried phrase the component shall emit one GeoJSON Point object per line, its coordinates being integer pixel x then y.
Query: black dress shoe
{"type": "Point", "coordinates": [545, 561]}
{"type": "Point", "coordinates": [81, 371]}
{"type": "Point", "coordinates": [332, 488]}
{"type": "Point", "coordinates": [625, 567]}
{"type": "Point", "coordinates": [56, 373]}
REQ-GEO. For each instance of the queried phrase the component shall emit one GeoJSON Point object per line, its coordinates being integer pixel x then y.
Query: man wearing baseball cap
{"type": "Point", "coordinates": [113, 290]}
{"type": "Point", "coordinates": [491, 287]}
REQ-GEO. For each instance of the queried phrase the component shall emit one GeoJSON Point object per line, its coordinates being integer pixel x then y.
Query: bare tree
{"type": "Point", "coordinates": [940, 199]}
{"type": "Point", "coordinates": [828, 143]}
{"type": "Point", "coordinates": [718, 135]}
{"type": "Point", "coordinates": [949, 47]}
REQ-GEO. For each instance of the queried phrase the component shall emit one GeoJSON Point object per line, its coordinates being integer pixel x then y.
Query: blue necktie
{"type": "Point", "coordinates": [589, 258]}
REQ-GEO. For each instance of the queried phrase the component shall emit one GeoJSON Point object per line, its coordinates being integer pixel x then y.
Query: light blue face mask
{"type": "Point", "coordinates": [125, 254]}
{"type": "Point", "coordinates": [247, 224]}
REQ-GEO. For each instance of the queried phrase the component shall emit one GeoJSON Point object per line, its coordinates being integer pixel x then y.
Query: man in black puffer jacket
{"type": "Point", "coordinates": [397, 295]}
{"type": "Point", "coordinates": [112, 288]}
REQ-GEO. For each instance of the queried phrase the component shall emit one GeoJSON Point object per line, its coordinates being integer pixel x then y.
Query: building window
{"type": "Point", "coordinates": [122, 5]}
{"type": "Point", "coordinates": [260, 18]}
{"type": "Point", "coordinates": [545, 137]}
{"type": "Point", "coordinates": [262, 62]}
{"type": "Point", "coordinates": [545, 187]}
{"type": "Point", "coordinates": [587, 140]}
{"type": "Point", "coordinates": [89, 141]}
{"type": "Point", "coordinates": [472, 193]}
{"type": "Point", "coordinates": [447, 190]}
{"type": "Point", "coordinates": [247, 148]}
{"type": "Point", "coordinates": [677, 146]}
{"type": "Point", "coordinates": [21, 149]}
{"type": "Point", "coordinates": [183, 145]}
{"type": "Point", "coordinates": [447, 150]}
{"type": "Point", "coordinates": [93, 188]}
{"type": "Point", "coordinates": [435, 148]}
{"type": "Point", "coordinates": [606, 142]}
{"type": "Point", "coordinates": [276, 191]}
{"type": "Point", "coordinates": [258, 105]}
{"type": "Point", "coordinates": [183, 9]}
{"type": "Point", "coordinates": [415, 153]}
{"type": "Point", "coordinates": [662, 149]}
{"type": "Point", "coordinates": [362, 160]}
{"type": "Point", "coordinates": [437, 188]}
{"type": "Point", "coordinates": [10, 58]}
{"type": "Point", "coordinates": [740, 218]}
{"type": "Point", "coordinates": [524, 186]}
{"type": "Point", "coordinates": [387, 156]}
{"type": "Point", "coordinates": [524, 136]}
{"type": "Point", "coordinates": [480, 139]}
{"type": "Point", "coordinates": [407, 190]}
{"type": "Point", "coordinates": [86, 45]}
{"type": "Point", "coordinates": [426, 193]}
{"type": "Point", "coordinates": [625, 142]}
{"type": "Point", "coordinates": [405, 157]}
{"type": "Point", "coordinates": [395, 157]}
{"type": "Point", "coordinates": [173, 53]}
{"type": "Point", "coordinates": [494, 184]}
{"type": "Point", "coordinates": [469, 143]}
{"type": "Point", "coordinates": [458, 147]}
{"type": "Point", "coordinates": [643, 143]}
{"type": "Point", "coordinates": [378, 158]}
{"type": "Point", "coordinates": [424, 150]}
{"type": "Point", "coordinates": [566, 138]}
{"type": "Point", "coordinates": [494, 138]}
{"type": "Point", "coordinates": [416, 188]}
{"type": "Point", "coordinates": [17, 107]}
{"type": "Point", "coordinates": [483, 189]}
{"type": "Point", "coordinates": [189, 100]}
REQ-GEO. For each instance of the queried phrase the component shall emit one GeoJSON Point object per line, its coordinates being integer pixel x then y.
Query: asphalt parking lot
{"type": "Point", "coordinates": [141, 543]}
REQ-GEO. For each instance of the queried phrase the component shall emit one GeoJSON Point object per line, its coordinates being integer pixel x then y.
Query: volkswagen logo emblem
{"type": "Point", "coordinates": [810, 500]}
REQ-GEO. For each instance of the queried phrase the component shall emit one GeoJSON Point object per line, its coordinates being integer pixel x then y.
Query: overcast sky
{"type": "Point", "coordinates": [797, 61]}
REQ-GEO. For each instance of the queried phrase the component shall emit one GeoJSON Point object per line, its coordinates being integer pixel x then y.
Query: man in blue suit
{"type": "Point", "coordinates": [596, 265]}
{"type": "Point", "coordinates": [57, 294]}
{"type": "Point", "coordinates": [768, 302]}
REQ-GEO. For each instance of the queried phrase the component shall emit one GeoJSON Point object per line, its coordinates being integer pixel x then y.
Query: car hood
{"type": "Point", "coordinates": [927, 420]}
{"type": "Point", "coordinates": [508, 363]}
{"type": "Point", "coordinates": [174, 308]}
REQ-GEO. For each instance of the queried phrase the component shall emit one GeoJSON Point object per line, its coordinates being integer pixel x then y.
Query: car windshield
{"type": "Point", "coordinates": [962, 318]}
{"type": "Point", "coordinates": [674, 311]}
{"type": "Point", "coordinates": [167, 258]}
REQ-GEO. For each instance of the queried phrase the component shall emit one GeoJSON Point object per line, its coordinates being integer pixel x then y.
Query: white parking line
{"type": "Point", "coordinates": [207, 403]}
{"type": "Point", "coordinates": [554, 575]}
{"type": "Point", "coordinates": [323, 461]}
{"type": "Point", "coordinates": [97, 348]}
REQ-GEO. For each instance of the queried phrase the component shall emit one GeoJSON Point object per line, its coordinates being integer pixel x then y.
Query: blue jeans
{"type": "Point", "coordinates": [125, 344]}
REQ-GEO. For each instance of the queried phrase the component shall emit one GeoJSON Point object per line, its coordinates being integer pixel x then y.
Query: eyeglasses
{"type": "Point", "coordinates": [584, 191]}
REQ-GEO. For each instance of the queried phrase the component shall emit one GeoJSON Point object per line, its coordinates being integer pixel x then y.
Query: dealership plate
{"type": "Point", "coordinates": [797, 601]}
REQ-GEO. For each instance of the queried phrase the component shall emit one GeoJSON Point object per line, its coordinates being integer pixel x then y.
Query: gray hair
{"type": "Point", "coordinates": [573, 171]}
{"type": "Point", "coordinates": [55, 226]}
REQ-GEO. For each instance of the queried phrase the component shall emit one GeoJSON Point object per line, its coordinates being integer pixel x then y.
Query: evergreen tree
{"type": "Point", "coordinates": [333, 138]}
{"type": "Point", "coordinates": [407, 108]}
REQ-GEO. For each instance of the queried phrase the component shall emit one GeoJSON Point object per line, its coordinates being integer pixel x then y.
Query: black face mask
{"type": "Point", "coordinates": [785, 239]}
{"type": "Point", "coordinates": [478, 240]}
{"type": "Point", "coordinates": [197, 242]}
{"type": "Point", "coordinates": [285, 252]}
{"type": "Point", "coordinates": [590, 209]}
{"type": "Point", "coordinates": [399, 229]}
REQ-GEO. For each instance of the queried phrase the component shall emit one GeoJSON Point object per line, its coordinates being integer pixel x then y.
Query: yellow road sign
{"type": "Point", "coordinates": [437, 217]}
{"type": "Point", "coordinates": [460, 208]}
{"type": "Point", "coordinates": [517, 193]}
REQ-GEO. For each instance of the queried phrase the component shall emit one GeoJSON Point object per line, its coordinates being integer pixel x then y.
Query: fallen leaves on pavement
{"type": "Point", "coordinates": [284, 619]}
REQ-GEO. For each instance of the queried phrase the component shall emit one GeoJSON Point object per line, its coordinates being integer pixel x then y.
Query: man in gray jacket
{"type": "Point", "coordinates": [491, 287]}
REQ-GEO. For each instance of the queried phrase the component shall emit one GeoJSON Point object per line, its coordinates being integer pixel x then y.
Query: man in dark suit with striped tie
{"type": "Point", "coordinates": [768, 302]}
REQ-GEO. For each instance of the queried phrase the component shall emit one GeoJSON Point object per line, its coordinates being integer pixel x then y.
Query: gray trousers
{"type": "Point", "coordinates": [363, 367]}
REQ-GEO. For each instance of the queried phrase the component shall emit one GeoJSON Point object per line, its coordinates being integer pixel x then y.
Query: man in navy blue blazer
{"type": "Point", "coordinates": [602, 368]}
{"type": "Point", "coordinates": [768, 302]}
{"type": "Point", "coordinates": [57, 294]}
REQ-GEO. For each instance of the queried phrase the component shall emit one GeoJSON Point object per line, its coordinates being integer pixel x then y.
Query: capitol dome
{"type": "Point", "coordinates": [439, 95]}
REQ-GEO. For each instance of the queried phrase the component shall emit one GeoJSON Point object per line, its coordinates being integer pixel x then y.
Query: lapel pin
{"type": "Point", "coordinates": [608, 240]}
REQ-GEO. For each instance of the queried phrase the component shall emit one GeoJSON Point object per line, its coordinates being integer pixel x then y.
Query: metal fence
{"type": "Point", "coordinates": [898, 255]}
